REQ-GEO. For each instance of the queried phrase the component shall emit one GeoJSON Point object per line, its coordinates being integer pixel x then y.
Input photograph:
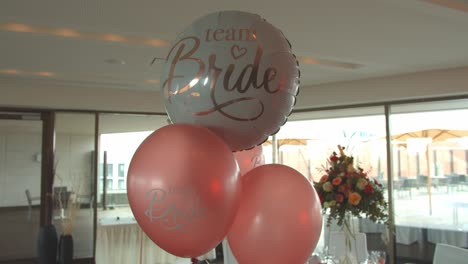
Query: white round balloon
{"type": "Point", "coordinates": [233, 73]}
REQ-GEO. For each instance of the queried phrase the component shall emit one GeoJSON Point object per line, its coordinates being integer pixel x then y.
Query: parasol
{"type": "Point", "coordinates": [435, 135]}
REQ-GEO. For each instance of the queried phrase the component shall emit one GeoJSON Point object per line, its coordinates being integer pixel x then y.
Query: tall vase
{"type": "Point", "coordinates": [65, 249]}
{"type": "Point", "coordinates": [349, 231]}
{"type": "Point", "coordinates": [47, 244]}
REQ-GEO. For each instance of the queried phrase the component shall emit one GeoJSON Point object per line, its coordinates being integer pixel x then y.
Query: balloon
{"type": "Point", "coordinates": [183, 189]}
{"type": "Point", "coordinates": [233, 73]}
{"type": "Point", "coordinates": [249, 159]}
{"type": "Point", "coordinates": [279, 219]}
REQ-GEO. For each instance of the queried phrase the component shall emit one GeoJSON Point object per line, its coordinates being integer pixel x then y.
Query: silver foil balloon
{"type": "Point", "coordinates": [234, 73]}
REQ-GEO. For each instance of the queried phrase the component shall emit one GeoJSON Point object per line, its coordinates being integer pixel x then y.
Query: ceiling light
{"type": "Point", "coordinates": [156, 42]}
{"type": "Point", "coordinates": [44, 73]}
{"type": "Point", "coordinates": [115, 61]}
{"type": "Point", "coordinates": [65, 32]}
{"type": "Point", "coordinates": [113, 37]}
{"type": "Point", "coordinates": [71, 33]}
{"type": "Point", "coordinates": [16, 27]}
{"type": "Point", "coordinates": [9, 71]}
{"type": "Point", "coordinates": [309, 61]}
{"type": "Point", "coordinates": [330, 63]}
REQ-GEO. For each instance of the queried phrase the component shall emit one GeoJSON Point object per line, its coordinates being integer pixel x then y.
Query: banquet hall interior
{"type": "Point", "coordinates": [80, 90]}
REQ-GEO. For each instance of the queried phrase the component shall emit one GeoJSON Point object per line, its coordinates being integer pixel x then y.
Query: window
{"type": "Point", "coordinates": [121, 170]}
{"type": "Point", "coordinates": [109, 184]}
{"type": "Point", "coordinates": [122, 185]}
{"type": "Point", "coordinates": [110, 170]}
{"type": "Point", "coordinates": [429, 173]}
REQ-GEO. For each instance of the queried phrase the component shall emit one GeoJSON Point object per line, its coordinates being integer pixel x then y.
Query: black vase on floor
{"type": "Point", "coordinates": [65, 251]}
{"type": "Point", "coordinates": [47, 244]}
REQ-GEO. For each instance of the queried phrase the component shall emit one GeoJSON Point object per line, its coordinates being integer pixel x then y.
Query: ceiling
{"type": "Point", "coordinates": [111, 43]}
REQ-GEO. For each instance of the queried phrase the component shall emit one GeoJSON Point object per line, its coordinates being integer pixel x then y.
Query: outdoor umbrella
{"type": "Point", "coordinates": [436, 135]}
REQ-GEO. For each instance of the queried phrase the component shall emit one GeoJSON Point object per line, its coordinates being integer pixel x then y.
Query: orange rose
{"type": "Point", "coordinates": [336, 181]}
{"type": "Point", "coordinates": [354, 198]}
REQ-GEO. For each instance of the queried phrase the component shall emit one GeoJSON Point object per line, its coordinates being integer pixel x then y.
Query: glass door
{"type": "Point", "coordinates": [20, 184]}
{"type": "Point", "coordinates": [73, 188]}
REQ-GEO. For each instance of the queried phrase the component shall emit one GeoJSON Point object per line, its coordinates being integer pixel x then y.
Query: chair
{"type": "Point", "coordinates": [406, 185]}
{"type": "Point", "coordinates": [462, 181]}
{"type": "Point", "coordinates": [450, 254]}
{"type": "Point", "coordinates": [30, 200]}
{"type": "Point", "coordinates": [338, 247]}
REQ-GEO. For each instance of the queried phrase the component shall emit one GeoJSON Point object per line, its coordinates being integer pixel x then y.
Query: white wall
{"type": "Point", "coordinates": [410, 86]}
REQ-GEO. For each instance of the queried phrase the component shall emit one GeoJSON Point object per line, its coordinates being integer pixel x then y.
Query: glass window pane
{"type": "Point", "coordinates": [306, 142]}
{"type": "Point", "coordinates": [20, 188]}
{"type": "Point", "coordinates": [122, 185]}
{"type": "Point", "coordinates": [74, 180]}
{"type": "Point", "coordinates": [430, 166]}
{"type": "Point", "coordinates": [110, 170]}
{"type": "Point", "coordinates": [121, 170]}
{"type": "Point", "coordinates": [121, 134]}
{"type": "Point", "coordinates": [110, 185]}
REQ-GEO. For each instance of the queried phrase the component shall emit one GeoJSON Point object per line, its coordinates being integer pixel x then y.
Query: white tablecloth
{"type": "Point", "coordinates": [409, 234]}
{"type": "Point", "coordinates": [123, 242]}
{"type": "Point", "coordinates": [405, 235]}
{"type": "Point", "coordinates": [451, 237]}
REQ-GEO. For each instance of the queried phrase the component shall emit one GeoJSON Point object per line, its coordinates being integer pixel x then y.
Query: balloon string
{"type": "Point", "coordinates": [141, 246]}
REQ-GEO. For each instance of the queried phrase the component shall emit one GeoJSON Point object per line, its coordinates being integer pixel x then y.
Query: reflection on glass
{"type": "Point", "coordinates": [20, 181]}
{"type": "Point", "coordinates": [306, 146]}
{"type": "Point", "coordinates": [430, 165]}
{"type": "Point", "coordinates": [74, 180]}
{"type": "Point", "coordinates": [120, 136]}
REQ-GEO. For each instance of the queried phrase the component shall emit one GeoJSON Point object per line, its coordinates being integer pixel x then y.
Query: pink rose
{"type": "Point", "coordinates": [324, 178]}
{"type": "Point", "coordinates": [339, 198]}
{"type": "Point", "coordinates": [337, 181]}
{"type": "Point", "coordinates": [344, 189]}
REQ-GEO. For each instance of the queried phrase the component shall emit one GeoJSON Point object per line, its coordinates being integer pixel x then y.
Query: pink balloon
{"type": "Point", "coordinates": [183, 189]}
{"type": "Point", "coordinates": [249, 159]}
{"type": "Point", "coordinates": [279, 219]}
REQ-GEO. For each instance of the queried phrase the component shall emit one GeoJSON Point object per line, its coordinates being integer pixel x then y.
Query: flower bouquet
{"type": "Point", "coordinates": [346, 191]}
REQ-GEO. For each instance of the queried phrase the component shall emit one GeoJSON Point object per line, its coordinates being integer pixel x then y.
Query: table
{"type": "Point", "coordinates": [456, 206]}
{"type": "Point", "coordinates": [123, 241]}
{"type": "Point", "coordinates": [457, 238]}
{"type": "Point", "coordinates": [405, 235]}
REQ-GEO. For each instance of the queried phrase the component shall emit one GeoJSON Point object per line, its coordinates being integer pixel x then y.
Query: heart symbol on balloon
{"type": "Point", "coordinates": [237, 52]}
